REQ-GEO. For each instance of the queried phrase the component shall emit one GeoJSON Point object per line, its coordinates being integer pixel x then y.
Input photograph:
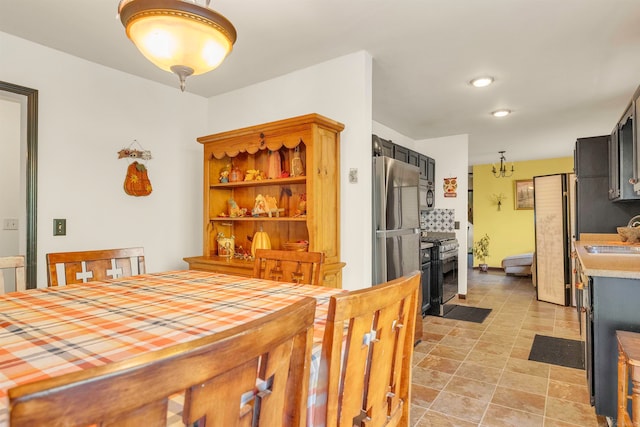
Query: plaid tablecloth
{"type": "Point", "coordinates": [49, 332]}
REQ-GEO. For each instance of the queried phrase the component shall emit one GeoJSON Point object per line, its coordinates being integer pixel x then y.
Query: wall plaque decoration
{"type": "Point", "coordinates": [450, 186]}
{"type": "Point", "coordinates": [137, 182]}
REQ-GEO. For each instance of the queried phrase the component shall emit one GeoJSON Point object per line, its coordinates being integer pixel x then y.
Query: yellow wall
{"type": "Point", "coordinates": [511, 231]}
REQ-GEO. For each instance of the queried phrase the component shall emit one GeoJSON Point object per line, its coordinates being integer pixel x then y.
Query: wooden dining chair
{"type": "Point", "coordinates": [66, 268]}
{"type": "Point", "coordinates": [367, 348]}
{"type": "Point", "coordinates": [288, 266]}
{"type": "Point", "coordinates": [254, 374]}
{"type": "Point", "coordinates": [14, 264]}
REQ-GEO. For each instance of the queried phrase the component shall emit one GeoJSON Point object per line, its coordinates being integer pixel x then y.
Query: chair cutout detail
{"type": "Point", "coordinates": [253, 374]}
{"type": "Point", "coordinates": [368, 346]}
{"type": "Point", "coordinates": [17, 264]}
{"type": "Point", "coordinates": [288, 266]}
{"type": "Point", "coordinates": [66, 268]}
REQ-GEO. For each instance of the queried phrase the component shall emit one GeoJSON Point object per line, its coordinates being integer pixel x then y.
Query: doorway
{"type": "Point", "coordinates": [29, 134]}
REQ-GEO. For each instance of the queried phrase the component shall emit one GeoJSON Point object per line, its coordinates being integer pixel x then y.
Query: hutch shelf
{"type": "Point", "coordinates": [308, 201]}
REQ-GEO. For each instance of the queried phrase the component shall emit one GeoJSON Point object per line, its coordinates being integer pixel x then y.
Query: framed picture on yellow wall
{"type": "Point", "coordinates": [524, 194]}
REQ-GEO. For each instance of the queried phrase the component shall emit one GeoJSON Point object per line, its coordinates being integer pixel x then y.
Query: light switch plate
{"type": "Point", "coordinates": [10, 224]}
{"type": "Point", "coordinates": [353, 175]}
{"type": "Point", "coordinates": [59, 227]}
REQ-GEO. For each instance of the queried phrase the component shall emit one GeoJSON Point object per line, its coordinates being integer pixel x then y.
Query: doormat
{"type": "Point", "coordinates": [558, 351]}
{"type": "Point", "coordinates": [469, 314]}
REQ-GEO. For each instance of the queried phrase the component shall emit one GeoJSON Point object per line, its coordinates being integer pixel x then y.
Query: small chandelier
{"type": "Point", "coordinates": [178, 36]}
{"type": "Point", "coordinates": [502, 172]}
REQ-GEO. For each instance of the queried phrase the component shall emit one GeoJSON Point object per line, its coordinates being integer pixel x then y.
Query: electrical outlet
{"type": "Point", "coordinates": [353, 175]}
{"type": "Point", "coordinates": [59, 227]}
{"type": "Point", "coordinates": [10, 224]}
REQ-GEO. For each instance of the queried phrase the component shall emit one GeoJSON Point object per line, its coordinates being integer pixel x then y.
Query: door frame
{"type": "Point", "coordinates": [32, 179]}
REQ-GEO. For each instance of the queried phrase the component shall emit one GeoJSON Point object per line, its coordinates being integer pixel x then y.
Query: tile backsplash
{"type": "Point", "coordinates": [438, 220]}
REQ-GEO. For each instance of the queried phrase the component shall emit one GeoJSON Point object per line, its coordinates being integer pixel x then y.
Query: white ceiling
{"type": "Point", "coordinates": [567, 68]}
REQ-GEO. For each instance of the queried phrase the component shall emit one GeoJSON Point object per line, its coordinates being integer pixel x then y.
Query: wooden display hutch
{"type": "Point", "coordinates": [317, 141]}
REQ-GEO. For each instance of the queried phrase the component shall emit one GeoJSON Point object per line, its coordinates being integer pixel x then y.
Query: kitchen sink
{"type": "Point", "coordinates": [612, 249]}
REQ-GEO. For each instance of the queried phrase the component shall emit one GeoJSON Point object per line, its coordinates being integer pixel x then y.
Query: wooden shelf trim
{"type": "Point", "coordinates": [261, 182]}
{"type": "Point", "coordinates": [261, 218]}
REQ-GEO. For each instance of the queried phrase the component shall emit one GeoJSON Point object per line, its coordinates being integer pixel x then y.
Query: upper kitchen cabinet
{"type": "Point", "coordinates": [423, 165]}
{"type": "Point", "coordinates": [636, 143]}
{"type": "Point", "coordinates": [414, 158]}
{"type": "Point", "coordinates": [431, 170]}
{"type": "Point", "coordinates": [590, 157]}
{"type": "Point", "coordinates": [621, 157]}
{"type": "Point", "coordinates": [595, 213]}
{"type": "Point", "coordinates": [401, 153]}
{"type": "Point", "coordinates": [382, 147]}
{"type": "Point", "coordinates": [300, 200]}
{"type": "Point", "coordinates": [427, 165]}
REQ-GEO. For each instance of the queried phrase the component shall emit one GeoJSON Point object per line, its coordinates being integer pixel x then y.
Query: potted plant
{"type": "Point", "coordinates": [481, 252]}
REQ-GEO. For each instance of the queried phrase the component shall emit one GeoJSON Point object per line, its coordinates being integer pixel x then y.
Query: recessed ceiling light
{"type": "Point", "coordinates": [500, 113]}
{"type": "Point", "coordinates": [482, 81]}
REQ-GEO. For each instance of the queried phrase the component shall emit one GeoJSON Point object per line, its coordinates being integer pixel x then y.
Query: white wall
{"type": "Point", "coordinates": [339, 89]}
{"type": "Point", "coordinates": [87, 113]}
{"type": "Point", "coordinates": [452, 157]}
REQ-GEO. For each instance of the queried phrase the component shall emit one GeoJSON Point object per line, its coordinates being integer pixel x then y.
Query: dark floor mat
{"type": "Point", "coordinates": [558, 351]}
{"type": "Point", "coordinates": [469, 314]}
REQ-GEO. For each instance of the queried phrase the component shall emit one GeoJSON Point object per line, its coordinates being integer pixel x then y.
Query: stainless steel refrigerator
{"type": "Point", "coordinates": [396, 219]}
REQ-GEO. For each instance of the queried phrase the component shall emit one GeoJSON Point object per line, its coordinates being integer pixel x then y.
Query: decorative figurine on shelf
{"type": "Point", "coordinates": [226, 245]}
{"type": "Point", "coordinates": [234, 210]}
{"type": "Point", "coordinates": [302, 205]}
{"type": "Point", "coordinates": [224, 174]}
{"type": "Point", "coordinates": [253, 175]}
{"type": "Point", "coordinates": [266, 205]}
{"type": "Point", "coordinates": [260, 206]}
{"type": "Point", "coordinates": [274, 169]}
{"type": "Point", "coordinates": [297, 168]}
{"type": "Point", "coordinates": [235, 174]}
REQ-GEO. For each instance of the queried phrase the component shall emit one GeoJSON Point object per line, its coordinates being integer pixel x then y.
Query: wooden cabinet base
{"type": "Point", "coordinates": [331, 273]}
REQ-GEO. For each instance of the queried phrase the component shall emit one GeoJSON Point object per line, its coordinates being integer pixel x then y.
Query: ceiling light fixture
{"type": "Point", "coordinates": [502, 172]}
{"type": "Point", "coordinates": [500, 113]}
{"type": "Point", "coordinates": [178, 36]}
{"type": "Point", "coordinates": [482, 81]}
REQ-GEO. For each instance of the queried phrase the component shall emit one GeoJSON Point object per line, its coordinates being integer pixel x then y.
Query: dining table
{"type": "Point", "coordinates": [48, 332]}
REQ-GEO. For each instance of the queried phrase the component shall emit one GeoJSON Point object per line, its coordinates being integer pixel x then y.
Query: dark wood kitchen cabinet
{"type": "Point", "coordinates": [636, 143]}
{"type": "Point", "coordinates": [621, 157]}
{"type": "Point", "coordinates": [414, 158]}
{"type": "Point", "coordinates": [612, 305]}
{"type": "Point", "coordinates": [401, 153]}
{"type": "Point", "coordinates": [595, 213]}
{"type": "Point", "coordinates": [426, 164]}
{"type": "Point", "coordinates": [427, 167]}
{"type": "Point", "coordinates": [423, 162]}
{"type": "Point", "coordinates": [431, 169]}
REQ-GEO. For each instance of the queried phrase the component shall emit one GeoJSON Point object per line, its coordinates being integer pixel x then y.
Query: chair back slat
{"type": "Point", "coordinates": [66, 268]}
{"type": "Point", "coordinates": [253, 374]}
{"type": "Point", "coordinates": [14, 264]}
{"type": "Point", "coordinates": [289, 266]}
{"type": "Point", "coordinates": [368, 346]}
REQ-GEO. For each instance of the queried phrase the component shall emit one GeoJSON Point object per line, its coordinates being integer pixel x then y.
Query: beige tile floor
{"type": "Point", "coordinates": [469, 374]}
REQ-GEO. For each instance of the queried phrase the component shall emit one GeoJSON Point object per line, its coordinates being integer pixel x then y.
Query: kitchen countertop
{"type": "Point", "coordinates": [607, 265]}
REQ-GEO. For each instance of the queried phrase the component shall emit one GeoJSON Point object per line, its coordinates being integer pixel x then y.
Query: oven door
{"type": "Point", "coordinates": [449, 276]}
{"type": "Point", "coordinates": [427, 195]}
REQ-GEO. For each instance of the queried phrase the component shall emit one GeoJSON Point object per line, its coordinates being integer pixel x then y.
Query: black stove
{"type": "Point", "coordinates": [443, 272]}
